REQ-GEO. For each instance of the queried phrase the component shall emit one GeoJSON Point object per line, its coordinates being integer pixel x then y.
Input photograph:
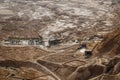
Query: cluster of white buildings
{"type": "Point", "coordinates": [28, 39]}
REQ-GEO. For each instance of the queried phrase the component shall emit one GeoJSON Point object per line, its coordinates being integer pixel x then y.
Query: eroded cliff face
{"type": "Point", "coordinates": [91, 70]}
{"type": "Point", "coordinates": [112, 71]}
{"type": "Point", "coordinates": [110, 45]}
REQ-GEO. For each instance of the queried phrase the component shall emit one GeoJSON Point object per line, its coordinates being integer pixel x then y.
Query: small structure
{"type": "Point", "coordinates": [23, 37]}
{"type": "Point", "coordinates": [46, 43]}
{"type": "Point", "coordinates": [88, 53]}
{"type": "Point", "coordinates": [54, 41]}
{"type": "Point", "coordinates": [82, 48]}
{"type": "Point", "coordinates": [50, 41]}
{"type": "Point", "coordinates": [103, 33]}
{"type": "Point", "coordinates": [95, 38]}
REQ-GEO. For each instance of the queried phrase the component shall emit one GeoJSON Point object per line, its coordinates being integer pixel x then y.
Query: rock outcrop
{"type": "Point", "coordinates": [110, 45]}
{"type": "Point", "coordinates": [112, 70]}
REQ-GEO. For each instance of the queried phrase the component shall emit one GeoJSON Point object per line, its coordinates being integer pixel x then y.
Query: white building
{"type": "Point", "coordinates": [46, 43]}
{"type": "Point", "coordinates": [23, 37]}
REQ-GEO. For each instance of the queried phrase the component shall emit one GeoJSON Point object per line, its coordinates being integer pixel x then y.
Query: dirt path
{"type": "Point", "coordinates": [28, 64]}
{"type": "Point", "coordinates": [50, 72]}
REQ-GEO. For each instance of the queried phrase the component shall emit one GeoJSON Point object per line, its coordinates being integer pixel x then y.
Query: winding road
{"type": "Point", "coordinates": [28, 64]}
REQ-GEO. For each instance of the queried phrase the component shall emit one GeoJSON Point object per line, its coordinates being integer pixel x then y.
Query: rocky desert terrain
{"type": "Point", "coordinates": [60, 40]}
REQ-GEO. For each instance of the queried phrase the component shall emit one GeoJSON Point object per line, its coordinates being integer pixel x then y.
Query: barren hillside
{"type": "Point", "coordinates": [87, 34]}
{"type": "Point", "coordinates": [52, 18]}
{"type": "Point", "coordinates": [21, 53]}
